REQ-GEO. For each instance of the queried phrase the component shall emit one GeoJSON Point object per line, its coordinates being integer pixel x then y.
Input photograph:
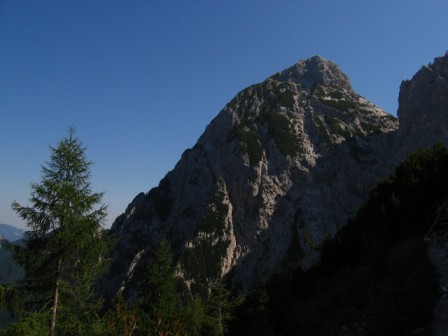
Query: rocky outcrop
{"type": "Point", "coordinates": [423, 107]}
{"type": "Point", "coordinates": [424, 99]}
{"type": "Point", "coordinates": [279, 170]}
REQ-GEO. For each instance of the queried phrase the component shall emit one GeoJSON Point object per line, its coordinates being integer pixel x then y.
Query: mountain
{"type": "Point", "coordinates": [10, 271]}
{"type": "Point", "coordinates": [280, 170]}
{"type": "Point", "coordinates": [11, 233]}
{"type": "Point", "coordinates": [423, 105]}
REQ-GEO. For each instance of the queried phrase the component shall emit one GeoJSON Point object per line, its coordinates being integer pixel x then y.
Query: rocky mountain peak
{"type": "Point", "coordinates": [316, 71]}
{"type": "Point", "coordinates": [278, 171]}
{"type": "Point", "coordinates": [423, 104]}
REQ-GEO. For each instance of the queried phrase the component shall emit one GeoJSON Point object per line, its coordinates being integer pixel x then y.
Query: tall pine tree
{"type": "Point", "coordinates": [65, 244]}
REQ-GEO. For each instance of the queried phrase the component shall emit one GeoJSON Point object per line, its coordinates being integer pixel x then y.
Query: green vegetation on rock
{"type": "Point", "coordinates": [334, 99]}
{"type": "Point", "coordinates": [318, 91]}
{"type": "Point", "coordinates": [287, 98]}
{"type": "Point", "coordinates": [336, 95]}
{"type": "Point", "coordinates": [280, 128]}
{"type": "Point", "coordinates": [250, 144]}
{"type": "Point", "coordinates": [341, 104]}
{"type": "Point", "coordinates": [371, 128]}
{"type": "Point", "coordinates": [336, 127]}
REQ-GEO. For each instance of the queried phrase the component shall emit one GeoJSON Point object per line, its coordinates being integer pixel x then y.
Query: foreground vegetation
{"type": "Point", "coordinates": [65, 254]}
{"type": "Point", "coordinates": [374, 277]}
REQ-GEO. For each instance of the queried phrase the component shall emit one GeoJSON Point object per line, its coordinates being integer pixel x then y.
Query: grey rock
{"type": "Point", "coordinates": [316, 71]}
{"type": "Point", "coordinates": [280, 169]}
{"type": "Point", "coordinates": [423, 107]}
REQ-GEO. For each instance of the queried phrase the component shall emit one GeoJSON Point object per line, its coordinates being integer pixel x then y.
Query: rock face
{"type": "Point", "coordinates": [423, 106]}
{"type": "Point", "coordinates": [279, 170]}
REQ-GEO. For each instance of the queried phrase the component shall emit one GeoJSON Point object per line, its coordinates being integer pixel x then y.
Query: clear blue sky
{"type": "Point", "coordinates": [141, 79]}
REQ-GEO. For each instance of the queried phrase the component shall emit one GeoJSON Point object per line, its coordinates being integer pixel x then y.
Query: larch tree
{"type": "Point", "coordinates": [219, 308]}
{"type": "Point", "coordinates": [159, 300]}
{"type": "Point", "coordinates": [65, 244]}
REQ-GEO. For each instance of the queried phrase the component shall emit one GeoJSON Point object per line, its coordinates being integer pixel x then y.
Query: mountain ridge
{"type": "Point", "coordinates": [10, 232]}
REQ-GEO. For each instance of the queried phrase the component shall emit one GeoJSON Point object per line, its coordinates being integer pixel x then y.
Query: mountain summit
{"type": "Point", "coordinates": [316, 71]}
{"type": "Point", "coordinates": [276, 173]}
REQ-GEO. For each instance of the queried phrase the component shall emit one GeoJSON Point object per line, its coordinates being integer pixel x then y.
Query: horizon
{"type": "Point", "coordinates": [140, 81]}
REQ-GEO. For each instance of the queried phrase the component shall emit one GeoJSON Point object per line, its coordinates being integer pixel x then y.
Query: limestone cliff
{"type": "Point", "coordinates": [279, 170]}
{"type": "Point", "coordinates": [423, 107]}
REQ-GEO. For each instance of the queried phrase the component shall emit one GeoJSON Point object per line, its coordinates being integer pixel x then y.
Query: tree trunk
{"type": "Point", "coordinates": [54, 308]}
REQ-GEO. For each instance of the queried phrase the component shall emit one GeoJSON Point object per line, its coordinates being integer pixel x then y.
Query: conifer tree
{"type": "Point", "coordinates": [160, 300]}
{"type": "Point", "coordinates": [219, 309]}
{"type": "Point", "coordinates": [64, 245]}
{"type": "Point", "coordinates": [122, 319]}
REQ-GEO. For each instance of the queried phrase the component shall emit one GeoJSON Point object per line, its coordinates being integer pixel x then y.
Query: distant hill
{"type": "Point", "coordinates": [10, 271]}
{"type": "Point", "coordinates": [11, 233]}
